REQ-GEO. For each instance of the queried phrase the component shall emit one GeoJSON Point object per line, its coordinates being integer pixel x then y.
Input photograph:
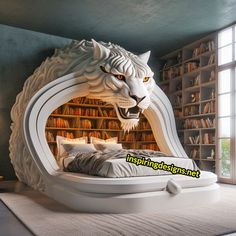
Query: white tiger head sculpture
{"type": "Point", "coordinates": [122, 79]}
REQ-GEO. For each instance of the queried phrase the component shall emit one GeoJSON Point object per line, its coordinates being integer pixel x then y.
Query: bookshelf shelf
{"type": "Point", "coordinates": [191, 104]}
{"type": "Point", "coordinates": [83, 117]}
{"type": "Point", "coordinates": [169, 67]}
{"type": "Point", "coordinates": [187, 144]}
{"type": "Point", "coordinates": [213, 160]}
{"type": "Point", "coordinates": [190, 83]}
{"type": "Point", "coordinates": [78, 129]}
{"type": "Point", "coordinates": [192, 88]}
{"type": "Point", "coordinates": [89, 105]}
{"type": "Point", "coordinates": [198, 115]}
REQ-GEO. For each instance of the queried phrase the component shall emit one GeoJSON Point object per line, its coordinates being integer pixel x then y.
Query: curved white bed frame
{"type": "Point", "coordinates": [94, 194]}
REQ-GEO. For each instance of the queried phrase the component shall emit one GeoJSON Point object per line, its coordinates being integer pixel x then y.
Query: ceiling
{"type": "Point", "coordinates": [137, 25]}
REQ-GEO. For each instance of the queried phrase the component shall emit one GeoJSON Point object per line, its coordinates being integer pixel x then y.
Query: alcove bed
{"type": "Point", "coordinates": [77, 71]}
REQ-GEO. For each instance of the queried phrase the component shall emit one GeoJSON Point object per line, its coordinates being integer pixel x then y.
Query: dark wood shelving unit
{"type": "Point", "coordinates": [188, 77]}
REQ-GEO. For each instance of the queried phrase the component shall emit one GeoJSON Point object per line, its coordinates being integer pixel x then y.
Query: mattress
{"type": "Point", "coordinates": [119, 168]}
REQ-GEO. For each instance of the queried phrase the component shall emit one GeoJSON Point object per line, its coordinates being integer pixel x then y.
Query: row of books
{"type": "Point", "coordinates": [204, 47]}
{"type": "Point", "coordinates": [130, 137]}
{"type": "Point", "coordinates": [199, 123]}
{"type": "Point", "coordinates": [143, 125]}
{"type": "Point", "coordinates": [147, 137]}
{"type": "Point", "coordinates": [194, 153]}
{"type": "Point", "coordinates": [67, 110]}
{"type": "Point", "coordinates": [90, 124]}
{"type": "Point", "coordinates": [178, 113]}
{"type": "Point", "coordinates": [95, 134]}
{"type": "Point", "coordinates": [51, 137]}
{"type": "Point", "coordinates": [84, 100]}
{"type": "Point", "coordinates": [86, 124]}
{"type": "Point", "coordinates": [109, 113]}
{"type": "Point", "coordinates": [172, 72]}
{"type": "Point", "coordinates": [208, 138]}
{"type": "Point", "coordinates": [112, 124]}
{"type": "Point", "coordinates": [57, 122]}
{"type": "Point", "coordinates": [195, 64]}
{"type": "Point", "coordinates": [194, 139]}
{"type": "Point", "coordinates": [191, 66]}
{"type": "Point", "coordinates": [209, 107]}
{"type": "Point", "coordinates": [191, 110]}
{"type": "Point", "coordinates": [151, 146]}
{"type": "Point", "coordinates": [81, 111]}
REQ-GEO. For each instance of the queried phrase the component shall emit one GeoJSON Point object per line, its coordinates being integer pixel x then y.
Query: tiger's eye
{"type": "Point", "coordinates": [120, 77]}
{"type": "Point", "coordinates": [145, 79]}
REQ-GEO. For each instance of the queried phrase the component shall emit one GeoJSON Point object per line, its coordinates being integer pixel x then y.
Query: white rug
{"type": "Point", "coordinates": [44, 216]}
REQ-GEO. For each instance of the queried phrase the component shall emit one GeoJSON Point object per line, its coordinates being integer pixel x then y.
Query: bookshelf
{"type": "Point", "coordinates": [94, 118]}
{"type": "Point", "coordinates": [188, 77]}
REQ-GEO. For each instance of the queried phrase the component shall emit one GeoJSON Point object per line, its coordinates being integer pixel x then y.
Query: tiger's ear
{"type": "Point", "coordinates": [99, 51]}
{"type": "Point", "coordinates": [144, 57]}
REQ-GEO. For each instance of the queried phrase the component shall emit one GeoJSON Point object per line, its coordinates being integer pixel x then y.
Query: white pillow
{"type": "Point", "coordinates": [98, 140]}
{"type": "Point", "coordinates": [62, 140]}
{"type": "Point", "coordinates": [108, 146]}
{"type": "Point", "coordinates": [73, 149]}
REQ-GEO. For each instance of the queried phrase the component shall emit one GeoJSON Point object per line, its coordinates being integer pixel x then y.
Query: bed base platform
{"type": "Point", "coordinates": [157, 201]}
{"type": "Point", "coordinates": [86, 193]}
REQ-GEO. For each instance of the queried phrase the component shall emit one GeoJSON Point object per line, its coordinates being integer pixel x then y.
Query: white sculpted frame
{"type": "Point", "coordinates": [35, 165]}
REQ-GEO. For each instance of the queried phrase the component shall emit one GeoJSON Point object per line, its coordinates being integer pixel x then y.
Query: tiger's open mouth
{"type": "Point", "coordinates": [129, 113]}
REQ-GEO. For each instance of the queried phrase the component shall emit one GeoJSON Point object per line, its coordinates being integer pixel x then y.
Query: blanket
{"type": "Point", "coordinates": [92, 162]}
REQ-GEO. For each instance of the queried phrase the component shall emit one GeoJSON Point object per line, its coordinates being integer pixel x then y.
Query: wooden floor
{"type": "Point", "coordinates": [10, 225]}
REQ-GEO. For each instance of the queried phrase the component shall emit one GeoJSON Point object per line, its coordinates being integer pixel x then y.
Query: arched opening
{"type": "Point", "coordinates": [84, 117]}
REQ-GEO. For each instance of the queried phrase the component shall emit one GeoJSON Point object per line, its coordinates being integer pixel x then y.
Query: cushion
{"type": "Point", "coordinates": [73, 149]}
{"type": "Point", "coordinates": [98, 140]}
{"type": "Point", "coordinates": [62, 140]}
{"type": "Point", "coordinates": [108, 146]}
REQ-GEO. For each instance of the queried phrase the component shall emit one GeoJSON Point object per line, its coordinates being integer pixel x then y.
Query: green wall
{"type": "Point", "coordinates": [21, 52]}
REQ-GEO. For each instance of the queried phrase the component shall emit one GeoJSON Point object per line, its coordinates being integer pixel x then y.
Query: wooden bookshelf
{"type": "Point", "coordinates": [93, 118]}
{"type": "Point", "coordinates": [188, 77]}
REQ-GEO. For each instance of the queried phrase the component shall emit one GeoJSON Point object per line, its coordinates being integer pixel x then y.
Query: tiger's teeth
{"type": "Point", "coordinates": [126, 110]}
{"type": "Point", "coordinates": [127, 113]}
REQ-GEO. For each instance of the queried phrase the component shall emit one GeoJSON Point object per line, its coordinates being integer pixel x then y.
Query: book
{"type": "Point", "coordinates": [194, 153]}
{"type": "Point", "coordinates": [194, 139]}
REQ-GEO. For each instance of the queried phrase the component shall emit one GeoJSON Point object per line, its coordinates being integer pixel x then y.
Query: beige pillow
{"type": "Point", "coordinates": [108, 146]}
{"type": "Point", "coordinates": [98, 140]}
{"type": "Point", "coordinates": [62, 140]}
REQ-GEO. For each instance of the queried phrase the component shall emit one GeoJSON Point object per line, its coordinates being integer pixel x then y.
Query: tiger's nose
{"type": "Point", "coordinates": [137, 99]}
